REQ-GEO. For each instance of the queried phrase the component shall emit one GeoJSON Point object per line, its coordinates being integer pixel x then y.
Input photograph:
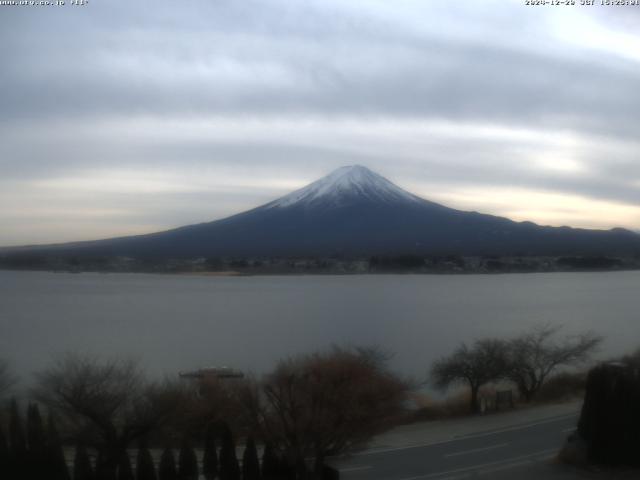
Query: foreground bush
{"type": "Point", "coordinates": [324, 404]}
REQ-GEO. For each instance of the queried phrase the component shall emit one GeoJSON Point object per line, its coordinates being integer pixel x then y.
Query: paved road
{"type": "Point", "coordinates": [480, 455]}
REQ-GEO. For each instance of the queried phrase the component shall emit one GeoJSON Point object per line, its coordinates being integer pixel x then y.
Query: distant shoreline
{"type": "Point", "coordinates": [230, 273]}
{"type": "Point", "coordinates": [330, 265]}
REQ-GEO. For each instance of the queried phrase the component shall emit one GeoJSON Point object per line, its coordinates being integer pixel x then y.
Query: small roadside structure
{"type": "Point", "coordinates": [211, 378]}
{"type": "Point", "coordinates": [210, 373]}
{"type": "Point", "coordinates": [504, 399]}
{"type": "Point", "coordinates": [501, 400]}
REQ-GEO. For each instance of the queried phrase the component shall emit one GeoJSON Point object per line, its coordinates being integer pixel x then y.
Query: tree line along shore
{"type": "Point", "coordinates": [336, 264]}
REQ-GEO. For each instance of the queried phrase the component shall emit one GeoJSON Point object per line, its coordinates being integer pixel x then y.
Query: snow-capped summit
{"type": "Point", "coordinates": [354, 211]}
{"type": "Point", "coordinates": [346, 185]}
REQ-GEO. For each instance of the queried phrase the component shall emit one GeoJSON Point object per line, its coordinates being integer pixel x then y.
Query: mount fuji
{"type": "Point", "coordinates": [354, 211]}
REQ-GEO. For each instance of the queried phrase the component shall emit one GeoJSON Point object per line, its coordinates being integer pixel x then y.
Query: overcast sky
{"type": "Point", "coordinates": [133, 116]}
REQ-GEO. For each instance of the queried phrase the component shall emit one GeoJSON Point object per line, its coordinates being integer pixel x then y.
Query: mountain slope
{"type": "Point", "coordinates": [355, 211]}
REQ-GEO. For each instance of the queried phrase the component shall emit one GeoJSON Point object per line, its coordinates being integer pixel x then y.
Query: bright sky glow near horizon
{"type": "Point", "coordinates": [124, 117]}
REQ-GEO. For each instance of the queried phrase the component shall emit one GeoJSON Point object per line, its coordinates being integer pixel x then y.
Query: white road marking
{"type": "Point", "coordinates": [567, 430]}
{"type": "Point", "coordinates": [355, 469]}
{"type": "Point", "coordinates": [465, 437]}
{"type": "Point", "coordinates": [514, 460]}
{"type": "Point", "coordinates": [476, 450]}
{"type": "Point", "coordinates": [518, 427]}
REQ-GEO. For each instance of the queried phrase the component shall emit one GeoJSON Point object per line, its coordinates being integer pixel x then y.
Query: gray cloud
{"type": "Point", "coordinates": [245, 58]}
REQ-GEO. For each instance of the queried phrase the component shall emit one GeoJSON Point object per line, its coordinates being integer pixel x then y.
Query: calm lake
{"type": "Point", "coordinates": [179, 322]}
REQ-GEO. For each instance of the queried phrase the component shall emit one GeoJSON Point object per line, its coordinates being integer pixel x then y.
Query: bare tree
{"type": "Point", "coordinates": [485, 361]}
{"type": "Point", "coordinates": [7, 380]}
{"type": "Point", "coordinates": [110, 402]}
{"type": "Point", "coordinates": [324, 404]}
{"type": "Point", "coordinates": [536, 354]}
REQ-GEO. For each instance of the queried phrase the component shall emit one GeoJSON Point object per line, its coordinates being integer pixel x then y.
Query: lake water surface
{"type": "Point", "coordinates": [177, 322]}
